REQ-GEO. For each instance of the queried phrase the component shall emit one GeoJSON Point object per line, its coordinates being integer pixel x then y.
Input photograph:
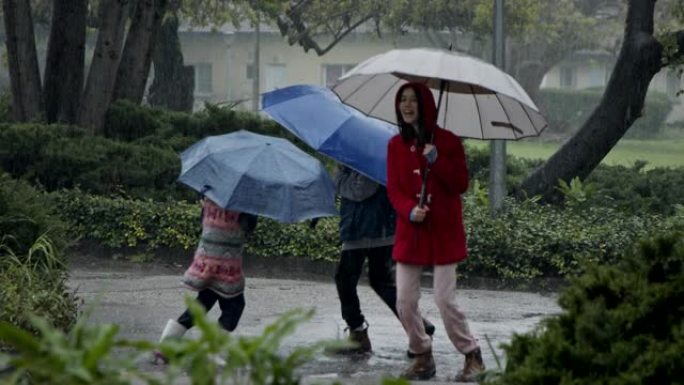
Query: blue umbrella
{"type": "Point", "coordinates": [316, 116]}
{"type": "Point", "coordinates": [260, 175]}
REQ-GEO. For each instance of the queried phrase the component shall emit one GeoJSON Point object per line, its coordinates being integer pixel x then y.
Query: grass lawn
{"type": "Point", "coordinates": [658, 153]}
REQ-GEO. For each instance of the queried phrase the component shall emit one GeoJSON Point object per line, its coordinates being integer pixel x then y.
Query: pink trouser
{"type": "Point", "coordinates": [444, 284]}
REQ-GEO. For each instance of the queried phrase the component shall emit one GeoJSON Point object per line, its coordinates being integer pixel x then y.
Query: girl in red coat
{"type": "Point", "coordinates": [432, 234]}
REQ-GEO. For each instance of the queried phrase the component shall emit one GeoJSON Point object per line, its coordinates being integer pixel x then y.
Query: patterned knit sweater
{"type": "Point", "coordinates": [217, 264]}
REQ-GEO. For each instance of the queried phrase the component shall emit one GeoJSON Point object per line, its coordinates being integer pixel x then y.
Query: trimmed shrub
{"type": "Point", "coordinates": [130, 122]}
{"type": "Point", "coordinates": [140, 159]}
{"type": "Point", "coordinates": [272, 239]}
{"type": "Point", "coordinates": [64, 157]}
{"type": "Point", "coordinates": [516, 168]}
{"type": "Point", "coordinates": [567, 110]}
{"type": "Point", "coordinates": [127, 223]}
{"type": "Point", "coordinates": [621, 324]}
{"type": "Point", "coordinates": [635, 190]}
{"type": "Point", "coordinates": [527, 240]}
{"type": "Point", "coordinates": [524, 242]}
{"type": "Point", "coordinates": [22, 146]}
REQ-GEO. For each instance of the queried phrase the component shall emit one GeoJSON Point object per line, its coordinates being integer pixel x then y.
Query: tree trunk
{"type": "Point", "coordinates": [173, 83]}
{"type": "Point", "coordinates": [622, 103]}
{"type": "Point", "coordinates": [530, 75]}
{"type": "Point", "coordinates": [529, 62]}
{"type": "Point", "coordinates": [136, 58]}
{"type": "Point", "coordinates": [100, 86]}
{"type": "Point", "coordinates": [22, 60]}
{"type": "Point", "coordinates": [65, 61]}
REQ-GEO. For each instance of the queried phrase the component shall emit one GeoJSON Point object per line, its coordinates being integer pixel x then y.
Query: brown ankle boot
{"type": "Point", "coordinates": [361, 343]}
{"type": "Point", "coordinates": [472, 367]}
{"type": "Point", "coordinates": [423, 367]}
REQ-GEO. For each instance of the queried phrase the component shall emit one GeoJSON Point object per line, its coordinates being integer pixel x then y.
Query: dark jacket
{"type": "Point", "coordinates": [365, 210]}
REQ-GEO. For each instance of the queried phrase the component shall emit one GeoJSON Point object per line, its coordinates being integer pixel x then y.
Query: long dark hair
{"type": "Point", "coordinates": [407, 131]}
{"type": "Point", "coordinates": [248, 222]}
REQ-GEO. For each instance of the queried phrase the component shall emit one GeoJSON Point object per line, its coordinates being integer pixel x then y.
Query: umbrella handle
{"type": "Point", "coordinates": [423, 188]}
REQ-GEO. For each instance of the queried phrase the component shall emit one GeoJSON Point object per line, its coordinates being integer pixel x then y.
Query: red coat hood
{"type": "Point", "coordinates": [428, 109]}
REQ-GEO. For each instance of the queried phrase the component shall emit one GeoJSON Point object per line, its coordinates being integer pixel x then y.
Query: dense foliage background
{"type": "Point", "coordinates": [61, 186]}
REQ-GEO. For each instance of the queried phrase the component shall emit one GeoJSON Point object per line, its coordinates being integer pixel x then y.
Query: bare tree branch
{"type": "Point", "coordinates": [303, 36]}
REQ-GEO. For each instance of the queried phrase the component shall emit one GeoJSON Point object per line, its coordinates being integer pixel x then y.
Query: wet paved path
{"type": "Point", "coordinates": [140, 298]}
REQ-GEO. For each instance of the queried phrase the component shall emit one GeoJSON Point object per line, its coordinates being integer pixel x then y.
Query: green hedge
{"type": "Point", "coordinates": [526, 241]}
{"type": "Point", "coordinates": [57, 157]}
{"type": "Point", "coordinates": [130, 122]}
{"type": "Point", "coordinates": [516, 168]}
{"type": "Point", "coordinates": [567, 110]}
{"type": "Point", "coordinates": [127, 223]}
{"type": "Point", "coordinates": [635, 190]}
{"type": "Point", "coordinates": [142, 162]}
{"type": "Point", "coordinates": [138, 158]}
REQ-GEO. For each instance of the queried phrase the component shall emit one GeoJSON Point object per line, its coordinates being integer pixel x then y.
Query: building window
{"type": "Point", "coordinates": [332, 72]}
{"type": "Point", "coordinates": [203, 78]}
{"type": "Point", "coordinates": [567, 77]}
{"type": "Point", "coordinates": [597, 76]}
{"type": "Point", "coordinates": [276, 77]}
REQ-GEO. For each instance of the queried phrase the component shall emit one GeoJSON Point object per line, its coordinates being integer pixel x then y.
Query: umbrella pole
{"type": "Point", "coordinates": [442, 86]}
{"type": "Point", "coordinates": [423, 186]}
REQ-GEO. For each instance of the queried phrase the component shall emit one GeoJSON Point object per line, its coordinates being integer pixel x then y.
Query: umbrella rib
{"type": "Point", "coordinates": [532, 122]}
{"type": "Point", "coordinates": [383, 95]}
{"type": "Point", "coordinates": [356, 108]}
{"type": "Point", "coordinates": [477, 106]}
{"type": "Point", "coordinates": [357, 88]}
{"type": "Point", "coordinates": [515, 129]}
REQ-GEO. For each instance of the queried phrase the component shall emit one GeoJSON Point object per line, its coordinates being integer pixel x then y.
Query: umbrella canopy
{"type": "Point", "coordinates": [260, 175]}
{"type": "Point", "coordinates": [480, 101]}
{"type": "Point", "coordinates": [316, 116]}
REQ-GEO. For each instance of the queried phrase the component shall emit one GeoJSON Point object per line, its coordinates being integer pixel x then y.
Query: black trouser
{"type": "Point", "coordinates": [231, 309]}
{"type": "Point", "coordinates": [379, 275]}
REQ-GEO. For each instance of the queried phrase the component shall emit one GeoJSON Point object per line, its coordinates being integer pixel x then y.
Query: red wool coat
{"type": "Point", "coordinates": [440, 238]}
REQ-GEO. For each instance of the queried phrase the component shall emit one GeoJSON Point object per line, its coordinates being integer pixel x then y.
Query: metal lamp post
{"type": "Point", "coordinates": [497, 162]}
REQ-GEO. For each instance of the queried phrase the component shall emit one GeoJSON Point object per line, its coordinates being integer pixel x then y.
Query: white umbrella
{"type": "Point", "coordinates": [480, 101]}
